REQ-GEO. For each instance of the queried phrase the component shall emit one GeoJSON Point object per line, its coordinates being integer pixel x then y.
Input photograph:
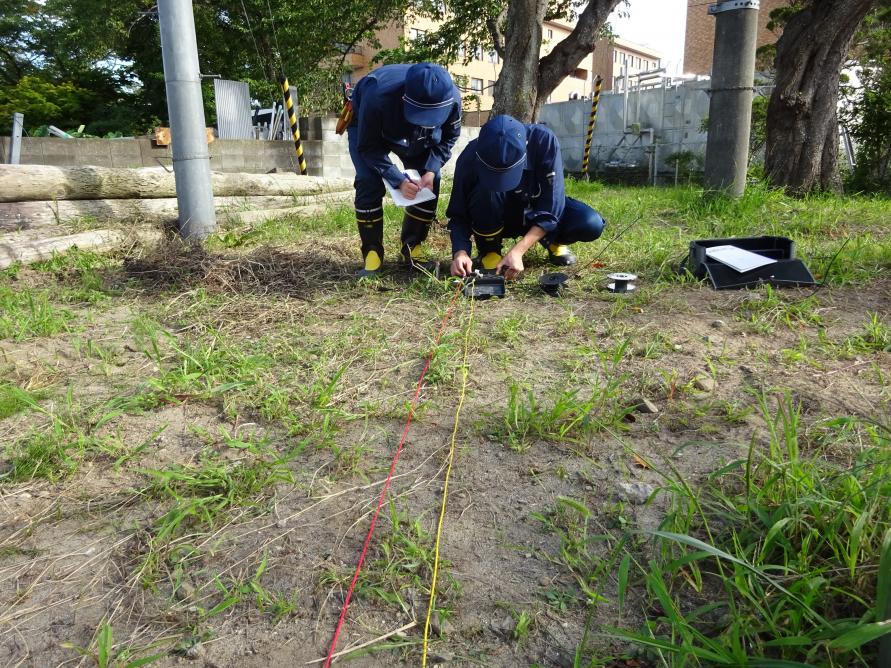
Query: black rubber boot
{"type": "Point", "coordinates": [415, 228]}
{"type": "Point", "coordinates": [560, 255]}
{"type": "Point", "coordinates": [488, 250]}
{"type": "Point", "coordinates": [371, 233]}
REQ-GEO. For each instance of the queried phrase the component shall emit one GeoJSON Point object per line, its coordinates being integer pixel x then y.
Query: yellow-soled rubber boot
{"type": "Point", "coordinates": [371, 232]}
{"type": "Point", "coordinates": [490, 261]}
{"type": "Point", "coordinates": [488, 249]}
{"type": "Point", "coordinates": [415, 228]}
{"type": "Point", "coordinates": [560, 255]}
{"type": "Point", "coordinates": [373, 263]}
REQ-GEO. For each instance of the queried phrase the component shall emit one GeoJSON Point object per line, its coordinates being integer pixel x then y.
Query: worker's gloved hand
{"type": "Point", "coordinates": [511, 265]}
{"type": "Point", "coordinates": [408, 189]}
{"type": "Point", "coordinates": [462, 265]}
{"type": "Point", "coordinates": [427, 180]}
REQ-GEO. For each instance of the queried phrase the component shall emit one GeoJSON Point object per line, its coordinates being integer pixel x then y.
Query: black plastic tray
{"type": "Point", "coordinates": [783, 273]}
{"type": "Point", "coordinates": [776, 248]}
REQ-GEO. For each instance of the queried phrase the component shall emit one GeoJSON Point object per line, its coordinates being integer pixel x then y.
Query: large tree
{"type": "Point", "coordinates": [513, 29]}
{"type": "Point", "coordinates": [526, 80]}
{"type": "Point", "coordinates": [802, 116]}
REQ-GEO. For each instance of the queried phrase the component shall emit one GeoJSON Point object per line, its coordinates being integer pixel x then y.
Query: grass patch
{"type": "Point", "coordinates": [781, 556]}
{"type": "Point", "coordinates": [14, 399]}
{"type": "Point", "coordinates": [71, 436]}
{"type": "Point", "coordinates": [28, 313]}
{"type": "Point", "coordinates": [564, 415]}
{"type": "Point", "coordinates": [202, 497]}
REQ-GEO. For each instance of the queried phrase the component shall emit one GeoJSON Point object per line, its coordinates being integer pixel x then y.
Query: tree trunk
{"type": "Point", "coordinates": [22, 183]}
{"type": "Point", "coordinates": [566, 55]}
{"type": "Point", "coordinates": [802, 120]}
{"type": "Point", "coordinates": [517, 85]}
{"type": "Point", "coordinates": [527, 80]}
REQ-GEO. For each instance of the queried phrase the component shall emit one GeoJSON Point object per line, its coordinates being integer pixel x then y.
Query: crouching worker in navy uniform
{"type": "Point", "coordinates": [413, 111]}
{"type": "Point", "coordinates": [509, 183]}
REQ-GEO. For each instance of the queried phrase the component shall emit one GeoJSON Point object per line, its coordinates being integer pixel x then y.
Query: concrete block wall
{"type": "Point", "coordinates": [674, 113]}
{"type": "Point", "coordinates": [325, 151]}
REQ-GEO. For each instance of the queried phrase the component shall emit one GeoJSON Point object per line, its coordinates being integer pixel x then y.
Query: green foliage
{"type": "Point", "coordinates": [869, 115]}
{"type": "Point", "coordinates": [43, 102]}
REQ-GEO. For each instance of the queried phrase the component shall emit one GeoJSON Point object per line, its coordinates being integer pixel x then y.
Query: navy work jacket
{"type": "Point", "coordinates": [377, 109]}
{"type": "Point", "coordinates": [541, 189]}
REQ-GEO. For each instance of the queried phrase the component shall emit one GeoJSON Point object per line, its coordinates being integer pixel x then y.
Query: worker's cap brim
{"type": "Point", "coordinates": [500, 179]}
{"type": "Point", "coordinates": [427, 115]}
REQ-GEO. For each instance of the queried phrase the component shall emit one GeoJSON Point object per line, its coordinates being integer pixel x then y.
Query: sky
{"type": "Point", "coordinates": [658, 24]}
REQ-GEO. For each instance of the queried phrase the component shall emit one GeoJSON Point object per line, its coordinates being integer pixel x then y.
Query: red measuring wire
{"type": "Point", "coordinates": [380, 501]}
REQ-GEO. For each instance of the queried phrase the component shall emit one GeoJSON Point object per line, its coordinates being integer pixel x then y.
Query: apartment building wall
{"type": "Point", "coordinates": [478, 74]}
{"type": "Point", "coordinates": [699, 42]}
{"type": "Point", "coordinates": [615, 54]}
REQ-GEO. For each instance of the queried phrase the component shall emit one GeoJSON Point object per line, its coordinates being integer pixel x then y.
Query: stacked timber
{"type": "Point", "coordinates": [40, 195]}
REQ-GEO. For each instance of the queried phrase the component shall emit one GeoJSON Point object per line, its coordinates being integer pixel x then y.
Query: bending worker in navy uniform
{"type": "Point", "coordinates": [509, 183]}
{"type": "Point", "coordinates": [413, 111]}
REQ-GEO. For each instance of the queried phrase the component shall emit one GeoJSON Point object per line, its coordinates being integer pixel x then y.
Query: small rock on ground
{"type": "Point", "coordinates": [636, 492]}
{"type": "Point", "coordinates": [644, 405]}
{"type": "Point", "coordinates": [704, 383]}
{"type": "Point", "coordinates": [440, 626]}
{"type": "Point", "coordinates": [719, 324]}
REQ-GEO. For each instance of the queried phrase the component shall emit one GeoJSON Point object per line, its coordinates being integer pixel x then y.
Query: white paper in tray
{"type": "Point", "coordinates": [738, 258]}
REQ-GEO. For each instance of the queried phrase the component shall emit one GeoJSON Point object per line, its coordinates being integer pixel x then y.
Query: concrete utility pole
{"type": "Point", "coordinates": [191, 160]}
{"type": "Point", "coordinates": [15, 139]}
{"type": "Point", "coordinates": [732, 87]}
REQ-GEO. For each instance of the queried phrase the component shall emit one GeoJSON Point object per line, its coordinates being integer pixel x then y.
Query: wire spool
{"type": "Point", "coordinates": [621, 282]}
{"type": "Point", "coordinates": [553, 284]}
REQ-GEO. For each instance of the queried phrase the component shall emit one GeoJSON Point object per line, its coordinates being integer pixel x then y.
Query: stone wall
{"type": "Point", "coordinates": [325, 151]}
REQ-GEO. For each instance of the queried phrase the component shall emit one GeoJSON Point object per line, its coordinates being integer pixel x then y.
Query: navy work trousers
{"type": "Point", "coordinates": [499, 215]}
{"type": "Point", "coordinates": [369, 184]}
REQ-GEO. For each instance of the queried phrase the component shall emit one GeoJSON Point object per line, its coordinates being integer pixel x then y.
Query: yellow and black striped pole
{"type": "Point", "coordinates": [295, 128]}
{"type": "Point", "coordinates": [598, 84]}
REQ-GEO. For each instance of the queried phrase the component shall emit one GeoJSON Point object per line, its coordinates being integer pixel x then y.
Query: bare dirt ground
{"type": "Point", "coordinates": [278, 397]}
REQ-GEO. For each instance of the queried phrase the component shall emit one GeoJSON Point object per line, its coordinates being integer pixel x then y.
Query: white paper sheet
{"type": "Point", "coordinates": [738, 258]}
{"type": "Point", "coordinates": [424, 194]}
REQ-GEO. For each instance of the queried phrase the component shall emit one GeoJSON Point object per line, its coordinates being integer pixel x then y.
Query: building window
{"type": "Point", "coordinates": [415, 34]}
{"type": "Point", "coordinates": [493, 57]}
{"type": "Point", "coordinates": [478, 53]}
{"type": "Point", "coordinates": [476, 85]}
{"type": "Point", "coordinates": [550, 34]}
{"type": "Point", "coordinates": [491, 87]}
{"type": "Point", "coordinates": [462, 51]}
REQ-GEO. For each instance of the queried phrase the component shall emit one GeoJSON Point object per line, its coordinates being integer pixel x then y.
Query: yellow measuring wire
{"type": "Point", "coordinates": [445, 487]}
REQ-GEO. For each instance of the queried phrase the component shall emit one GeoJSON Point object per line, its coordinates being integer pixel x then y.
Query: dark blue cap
{"type": "Point", "coordinates": [428, 95]}
{"type": "Point", "coordinates": [501, 153]}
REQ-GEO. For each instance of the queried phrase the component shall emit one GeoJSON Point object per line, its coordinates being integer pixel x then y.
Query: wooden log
{"type": "Point", "coordinates": [28, 183]}
{"type": "Point", "coordinates": [36, 250]}
{"type": "Point", "coordinates": [28, 215]}
{"type": "Point", "coordinates": [258, 216]}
